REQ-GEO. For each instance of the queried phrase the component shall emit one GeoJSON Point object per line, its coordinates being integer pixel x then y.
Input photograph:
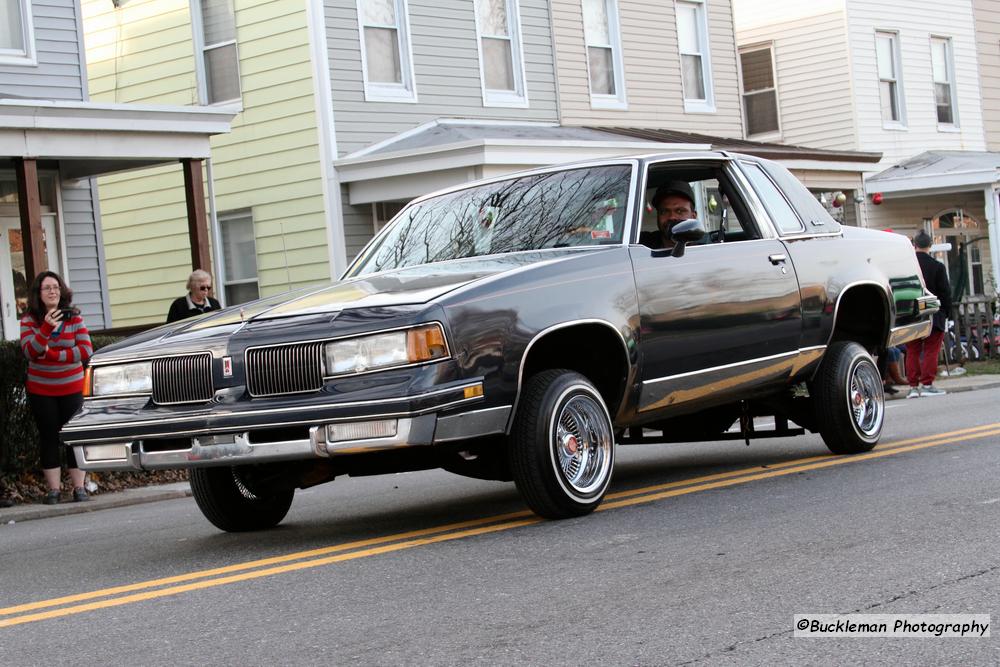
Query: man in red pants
{"type": "Point", "coordinates": [922, 355]}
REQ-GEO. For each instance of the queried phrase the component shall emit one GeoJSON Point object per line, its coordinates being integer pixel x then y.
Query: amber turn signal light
{"type": "Point", "coordinates": [426, 343]}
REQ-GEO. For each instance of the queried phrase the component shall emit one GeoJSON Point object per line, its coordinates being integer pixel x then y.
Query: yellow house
{"type": "Point", "coordinates": [267, 190]}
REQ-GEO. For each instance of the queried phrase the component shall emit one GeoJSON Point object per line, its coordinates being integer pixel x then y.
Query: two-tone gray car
{"type": "Point", "coordinates": [516, 329]}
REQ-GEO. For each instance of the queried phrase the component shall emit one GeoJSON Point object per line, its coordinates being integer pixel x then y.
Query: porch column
{"type": "Point", "coordinates": [992, 210]}
{"type": "Point", "coordinates": [194, 193]}
{"type": "Point", "coordinates": [29, 206]}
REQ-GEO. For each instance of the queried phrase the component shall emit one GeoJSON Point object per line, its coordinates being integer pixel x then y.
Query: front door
{"type": "Point", "coordinates": [13, 279]}
{"type": "Point", "coordinates": [723, 320]}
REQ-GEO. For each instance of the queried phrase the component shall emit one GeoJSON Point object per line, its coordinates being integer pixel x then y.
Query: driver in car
{"type": "Point", "coordinates": [674, 203]}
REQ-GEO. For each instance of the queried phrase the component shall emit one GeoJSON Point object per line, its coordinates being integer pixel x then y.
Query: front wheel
{"type": "Point", "coordinates": [240, 499]}
{"type": "Point", "coordinates": [848, 399]}
{"type": "Point", "coordinates": [562, 450]}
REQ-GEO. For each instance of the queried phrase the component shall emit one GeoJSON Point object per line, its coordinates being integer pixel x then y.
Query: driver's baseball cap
{"type": "Point", "coordinates": [680, 188]}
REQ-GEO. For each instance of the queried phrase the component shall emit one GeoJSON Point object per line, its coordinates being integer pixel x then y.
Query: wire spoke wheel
{"type": "Point", "coordinates": [562, 448]}
{"type": "Point", "coordinates": [848, 399]}
{"type": "Point", "coordinates": [866, 399]}
{"type": "Point", "coordinates": [582, 443]}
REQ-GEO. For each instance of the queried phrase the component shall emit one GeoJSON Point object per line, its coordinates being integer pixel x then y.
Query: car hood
{"type": "Point", "coordinates": [407, 286]}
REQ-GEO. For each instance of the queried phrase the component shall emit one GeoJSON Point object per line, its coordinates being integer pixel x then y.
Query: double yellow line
{"type": "Point", "coordinates": [266, 567]}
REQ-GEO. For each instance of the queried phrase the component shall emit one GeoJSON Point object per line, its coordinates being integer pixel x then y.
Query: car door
{"type": "Point", "coordinates": [721, 322]}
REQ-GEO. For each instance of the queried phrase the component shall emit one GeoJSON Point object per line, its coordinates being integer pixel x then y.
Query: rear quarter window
{"type": "Point", "coordinates": [816, 218]}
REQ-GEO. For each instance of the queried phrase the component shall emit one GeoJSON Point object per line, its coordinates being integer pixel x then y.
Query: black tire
{"type": "Point", "coordinates": [848, 399]}
{"type": "Point", "coordinates": [562, 446]}
{"type": "Point", "coordinates": [236, 501]}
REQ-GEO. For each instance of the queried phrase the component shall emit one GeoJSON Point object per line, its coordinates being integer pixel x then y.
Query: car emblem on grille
{"type": "Point", "coordinates": [227, 367]}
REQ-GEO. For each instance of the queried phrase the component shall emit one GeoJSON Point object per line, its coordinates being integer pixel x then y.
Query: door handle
{"type": "Point", "coordinates": [777, 259]}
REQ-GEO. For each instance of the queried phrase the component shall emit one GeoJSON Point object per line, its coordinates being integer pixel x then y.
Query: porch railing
{"type": "Point", "coordinates": [975, 332]}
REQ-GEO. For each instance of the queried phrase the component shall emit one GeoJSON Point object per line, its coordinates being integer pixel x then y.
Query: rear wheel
{"type": "Point", "coordinates": [848, 399]}
{"type": "Point", "coordinates": [561, 449]}
{"type": "Point", "coordinates": [240, 499]}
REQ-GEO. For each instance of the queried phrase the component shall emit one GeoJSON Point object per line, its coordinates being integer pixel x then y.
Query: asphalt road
{"type": "Point", "coordinates": [702, 553]}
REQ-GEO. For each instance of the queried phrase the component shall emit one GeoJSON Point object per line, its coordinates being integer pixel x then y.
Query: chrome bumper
{"type": "Point", "coordinates": [239, 448]}
{"type": "Point", "coordinates": [904, 334]}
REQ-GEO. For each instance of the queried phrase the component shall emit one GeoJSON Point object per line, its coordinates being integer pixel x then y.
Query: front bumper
{"type": "Point", "coordinates": [215, 437]}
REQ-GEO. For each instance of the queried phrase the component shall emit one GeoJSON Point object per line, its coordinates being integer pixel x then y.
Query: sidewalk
{"type": "Point", "coordinates": [953, 384]}
{"type": "Point", "coordinates": [149, 494]}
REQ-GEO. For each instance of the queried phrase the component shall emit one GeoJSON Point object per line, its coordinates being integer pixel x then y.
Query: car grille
{"type": "Point", "coordinates": [285, 369]}
{"type": "Point", "coordinates": [186, 379]}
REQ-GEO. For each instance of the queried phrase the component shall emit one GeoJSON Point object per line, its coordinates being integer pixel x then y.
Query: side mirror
{"type": "Point", "coordinates": [684, 232]}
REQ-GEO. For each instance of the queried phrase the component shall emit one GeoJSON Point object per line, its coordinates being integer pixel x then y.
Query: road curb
{"type": "Point", "coordinates": [137, 496]}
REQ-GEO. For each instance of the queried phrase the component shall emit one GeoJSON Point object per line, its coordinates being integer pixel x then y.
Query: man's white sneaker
{"type": "Point", "coordinates": [931, 390]}
{"type": "Point", "coordinates": [914, 393]}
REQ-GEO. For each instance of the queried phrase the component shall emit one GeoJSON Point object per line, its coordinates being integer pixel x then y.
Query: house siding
{"type": "Point", "coordinates": [446, 71]}
{"type": "Point", "coordinates": [269, 162]}
{"type": "Point", "coordinates": [987, 13]}
{"type": "Point", "coordinates": [916, 21]}
{"type": "Point", "coordinates": [84, 272]}
{"type": "Point", "coordinates": [651, 68]}
{"type": "Point", "coordinates": [58, 74]}
{"type": "Point", "coordinates": [814, 110]}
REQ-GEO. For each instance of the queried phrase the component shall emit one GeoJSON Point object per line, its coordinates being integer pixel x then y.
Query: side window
{"type": "Point", "coordinates": [782, 214]}
{"type": "Point", "coordinates": [722, 213]}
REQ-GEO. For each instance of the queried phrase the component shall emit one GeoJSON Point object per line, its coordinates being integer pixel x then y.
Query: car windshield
{"type": "Point", "coordinates": [575, 207]}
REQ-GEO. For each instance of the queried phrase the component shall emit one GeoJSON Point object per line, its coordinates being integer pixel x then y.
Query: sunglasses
{"type": "Point", "coordinates": [204, 288]}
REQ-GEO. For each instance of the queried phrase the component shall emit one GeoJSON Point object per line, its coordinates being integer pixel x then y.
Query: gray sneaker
{"type": "Point", "coordinates": [931, 390]}
{"type": "Point", "coordinates": [914, 393]}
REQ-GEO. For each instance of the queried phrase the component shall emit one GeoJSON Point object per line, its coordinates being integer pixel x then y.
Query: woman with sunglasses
{"type": "Point", "coordinates": [197, 300]}
{"type": "Point", "coordinates": [56, 342]}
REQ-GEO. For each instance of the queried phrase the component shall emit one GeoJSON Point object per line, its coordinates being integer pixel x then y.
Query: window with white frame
{"type": "Point", "coordinates": [385, 51]}
{"type": "Point", "coordinates": [944, 87]}
{"type": "Point", "coordinates": [604, 54]}
{"type": "Point", "coordinates": [760, 95]}
{"type": "Point", "coordinates": [17, 42]}
{"type": "Point", "coordinates": [889, 84]}
{"type": "Point", "coordinates": [498, 26]}
{"type": "Point", "coordinates": [692, 41]}
{"type": "Point", "coordinates": [239, 257]}
{"type": "Point", "coordinates": [216, 36]}
{"type": "Point", "coordinates": [976, 284]}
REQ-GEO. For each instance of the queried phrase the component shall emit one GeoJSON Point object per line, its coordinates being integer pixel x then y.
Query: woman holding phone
{"type": "Point", "coordinates": [56, 342]}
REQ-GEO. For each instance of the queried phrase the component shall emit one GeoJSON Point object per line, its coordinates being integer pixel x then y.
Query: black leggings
{"type": "Point", "coordinates": [51, 412]}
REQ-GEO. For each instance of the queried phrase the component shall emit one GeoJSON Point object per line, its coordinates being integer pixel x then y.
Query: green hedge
{"type": "Point", "coordinates": [19, 446]}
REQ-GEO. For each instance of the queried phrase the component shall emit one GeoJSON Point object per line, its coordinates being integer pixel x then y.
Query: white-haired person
{"type": "Point", "coordinates": [197, 300]}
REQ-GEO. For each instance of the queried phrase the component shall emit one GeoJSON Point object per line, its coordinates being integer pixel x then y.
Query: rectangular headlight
{"type": "Point", "coordinates": [134, 378]}
{"type": "Point", "coordinates": [393, 348]}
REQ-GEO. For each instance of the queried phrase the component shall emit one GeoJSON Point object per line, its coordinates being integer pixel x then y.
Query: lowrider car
{"type": "Point", "coordinates": [516, 329]}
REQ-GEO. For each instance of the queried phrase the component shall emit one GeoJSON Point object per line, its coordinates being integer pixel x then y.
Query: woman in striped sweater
{"type": "Point", "coordinates": [57, 344]}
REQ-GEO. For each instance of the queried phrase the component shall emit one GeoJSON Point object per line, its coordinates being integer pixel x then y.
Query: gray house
{"type": "Point", "coordinates": [427, 95]}
{"type": "Point", "coordinates": [53, 142]}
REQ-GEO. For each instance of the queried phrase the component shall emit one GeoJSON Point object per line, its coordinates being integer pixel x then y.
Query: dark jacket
{"type": "Point", "coordinates": [183, 307]}
{"type": "Point", "coordinates": [652, 239]}
{"type": "Point", "coordinates": [936, 279]}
